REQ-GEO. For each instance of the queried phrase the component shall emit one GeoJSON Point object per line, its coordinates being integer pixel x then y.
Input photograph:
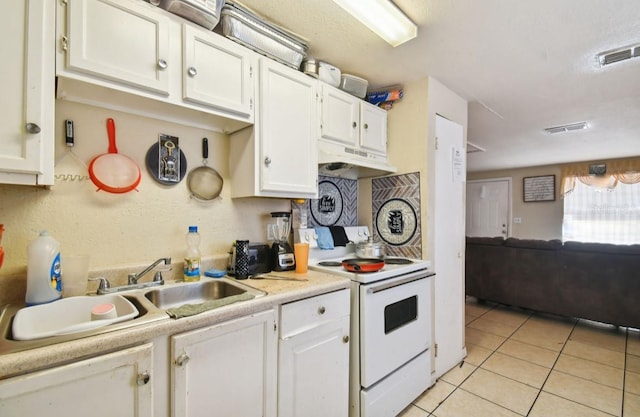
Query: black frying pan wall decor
{"type": "Point", "coordinates": [165, 161]}
{"type": "Point", "coordinates": [204, 182]}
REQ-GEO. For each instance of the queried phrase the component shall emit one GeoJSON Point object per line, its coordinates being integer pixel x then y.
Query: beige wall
{"type": "Point", "coordinates": [540, 220]}
{"type": "Point", "coordinates": [411, 133]}
{"type": "Point", "coordinates": [133, 228]}
{"type": "Point", "coordinates": [406, 145]}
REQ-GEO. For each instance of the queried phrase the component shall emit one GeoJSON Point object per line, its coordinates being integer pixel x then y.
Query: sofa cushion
{"type": "Point", "coordinates": [602, 248]}
{"type": "Point", "coordinates": [554, 244]}
{"type": "Point", "coordinates": [489, 241]}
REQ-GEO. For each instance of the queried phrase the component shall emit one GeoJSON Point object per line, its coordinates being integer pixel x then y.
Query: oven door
{"type": "Point", "coordinates": [395, 324]}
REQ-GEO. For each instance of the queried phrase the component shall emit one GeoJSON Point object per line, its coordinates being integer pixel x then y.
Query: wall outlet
{"type": "Point", "coordinates": [517, 220]}
{"type": "Point", "coordinates": [269, 231]}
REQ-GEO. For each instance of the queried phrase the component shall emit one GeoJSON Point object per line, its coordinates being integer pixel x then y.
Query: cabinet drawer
{"type": "Point", "coordinates": [300, 316]}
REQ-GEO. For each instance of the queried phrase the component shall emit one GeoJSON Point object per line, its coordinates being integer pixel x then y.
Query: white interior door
{"type": "Point", "coordinates": [488, 207]}
{"type": "Point", "coordinates": [450, 167]}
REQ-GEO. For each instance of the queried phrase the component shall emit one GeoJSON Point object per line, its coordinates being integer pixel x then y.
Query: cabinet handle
{"type": "Point", "coordinates": [354, 125]}
{"type": "Point", "coordinates": [32, 128]}
{"type": "Point", "coordinates": [267, 161]}
{"type": "Point", "coordinates": [182, 359]}
{"type": "Point", "coordinates": [321, 310]}
{"type": "Point", "coordinates": [345, 339]}
{"type": "Point", "coordinates": [143, 378]}
{"type": "Point", "coordinates": [192, 71]}
{"type": "Point", "coordinates": [162, 64]}
{"type": "Point", "coordinates": [366, 126]}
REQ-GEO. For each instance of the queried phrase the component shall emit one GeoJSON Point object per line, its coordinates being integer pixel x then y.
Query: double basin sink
{"type": "Point", "coordinates": [150, 303]}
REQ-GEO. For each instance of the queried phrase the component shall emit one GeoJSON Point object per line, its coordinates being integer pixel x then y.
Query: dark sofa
{"type": "Point", "coordinates": [594, 281]}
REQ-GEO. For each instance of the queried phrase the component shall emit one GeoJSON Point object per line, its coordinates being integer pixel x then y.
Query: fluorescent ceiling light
{"type": "Point", "coordinates": [567, 128]}
{"type": "Point", "coordinates": [620, 54]}
{"type": "Point", "coordinates": [382, 17]}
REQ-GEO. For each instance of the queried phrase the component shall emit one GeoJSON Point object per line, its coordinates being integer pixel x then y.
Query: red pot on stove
{"type": "Point", "coordinates": [363, 265]}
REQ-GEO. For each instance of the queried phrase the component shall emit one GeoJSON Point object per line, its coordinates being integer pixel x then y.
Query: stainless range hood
{"type": "Point", "coordinates": [339, 160]}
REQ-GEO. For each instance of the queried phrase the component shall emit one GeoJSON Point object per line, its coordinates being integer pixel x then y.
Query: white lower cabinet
{"type": "Point", "coordinates": [227, 369]}
{"type": "Point", "coordinates": [313, 370]}
{"type": "Point", "coordinates": [233, 368]}
{"type": "Point", "coordinates": [115, 384]}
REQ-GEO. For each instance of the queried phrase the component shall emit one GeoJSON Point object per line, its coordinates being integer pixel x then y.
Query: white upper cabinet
{"type": "Point", "coordinates": [120, 41]}
{"type": "Point", "coordinates": [347, 120]}
{"type": "Point", "coordinates": [340, 116]}
{"type": "Point", "coordinates": [132, 56]}
{"type": "Point", "coordinates": [373, 132]}
{"type": "Point", "coordinates": [26, 111]}
{"type": "Point", "coordinates": [219, 73]}
{"type": "Point", "coordinates": [279, 156]}
{"type": "Point", "coordinates": [289, 129]}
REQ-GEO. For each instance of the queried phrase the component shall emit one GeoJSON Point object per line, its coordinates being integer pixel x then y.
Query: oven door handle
{"type": "Point", "coordinates": [397, 282]}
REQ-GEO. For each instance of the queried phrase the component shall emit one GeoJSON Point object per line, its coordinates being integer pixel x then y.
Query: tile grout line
{"type": "Point", "coordinates": [553, 368]}
{"type": "Point", "coordinates": [573, 328]}
{"type": "Point", "coordinates": [624, 371]}
{"type": "Point", "coordinates": [461, 365]}
{"type": "Point", "coordinates": [458, 386]}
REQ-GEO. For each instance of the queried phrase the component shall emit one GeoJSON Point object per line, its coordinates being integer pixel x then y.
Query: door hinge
{"type": "Point", "coordinates": [64, 42]}
{"type": "Point", "coordinates": [435, 350]}
{"type": "Point", "coordinates": [275, 327]}
{"type": "Point", "coordinates": [436, 143]}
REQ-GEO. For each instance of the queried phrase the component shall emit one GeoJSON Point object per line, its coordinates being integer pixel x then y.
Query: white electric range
{"type": "Point", "coordinates": [391, 327]}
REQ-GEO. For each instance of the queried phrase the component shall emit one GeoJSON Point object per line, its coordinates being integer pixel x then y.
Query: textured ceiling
{"type": "Point", "coordinates": [523, 66]}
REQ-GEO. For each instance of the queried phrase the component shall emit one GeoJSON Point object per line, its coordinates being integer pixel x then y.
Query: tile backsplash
{"type": "Point", "coordinates": [336, 205]}
{"type": "Point", "coordinates": [396, 214]}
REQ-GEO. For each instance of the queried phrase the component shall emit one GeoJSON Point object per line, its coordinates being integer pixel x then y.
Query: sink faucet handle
{"type": "Point", "coordinates": [103, 285]}
{"type": "Point", "coordinates": [157, 277]}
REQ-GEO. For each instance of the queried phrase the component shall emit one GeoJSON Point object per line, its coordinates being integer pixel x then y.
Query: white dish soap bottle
{"type": "Point", "coordinates": [43, 270]}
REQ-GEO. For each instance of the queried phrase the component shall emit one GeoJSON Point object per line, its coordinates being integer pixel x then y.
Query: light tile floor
{"type": "Point", "coordinates": [521, 363]}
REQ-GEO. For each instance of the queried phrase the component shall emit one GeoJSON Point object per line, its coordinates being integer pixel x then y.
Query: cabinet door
{"type": "Point", "coordinates": [313, 376]}
{"type": "Point", "coordinates": [226, 370]}
{"type": "Point", "coordinates": [340, 116]}
{"type": "Point", "coordinates": [27, 84]}
{"type": "Point", "coordinates": [217, 72]}
{"type": "Point", "coordinates": [119, 40]}
{"type": "Point", "coordinates": [373, 121]}
{"type": "Point", "coordinates": [288, 128]}
{"type": "Point", "coordinates": [117, 384]}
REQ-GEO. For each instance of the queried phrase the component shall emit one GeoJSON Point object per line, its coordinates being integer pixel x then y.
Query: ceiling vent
{"type": "Point", "coordinates": [620, 54]}
{"type": "Point", "coordinates": [566, 128]}
{"type": "Point", "coordinates": [471, 148]}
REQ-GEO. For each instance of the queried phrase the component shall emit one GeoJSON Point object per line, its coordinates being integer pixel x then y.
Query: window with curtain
{"type": "Point", "coordinates": [602, 208]}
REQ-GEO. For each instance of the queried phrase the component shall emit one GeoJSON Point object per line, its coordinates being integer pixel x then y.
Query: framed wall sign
{"type": "Point", "coordinates": [542, 188]}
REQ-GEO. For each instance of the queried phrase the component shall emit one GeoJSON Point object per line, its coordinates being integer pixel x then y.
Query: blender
{"type": "Point", "coordinates": [282, 257]}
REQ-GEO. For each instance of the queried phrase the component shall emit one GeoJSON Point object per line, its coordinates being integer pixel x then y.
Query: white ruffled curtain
{"type": "Point", "coordinates": [626, 171]}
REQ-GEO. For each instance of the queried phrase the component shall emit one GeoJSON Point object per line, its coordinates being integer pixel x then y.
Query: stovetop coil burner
{"type": "Point", "coordinates": [398, 261]}
{"type": "Point", "coordinates": [329, 263]}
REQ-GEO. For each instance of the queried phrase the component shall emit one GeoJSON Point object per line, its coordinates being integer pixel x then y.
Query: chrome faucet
{"type": "Point", "coordinates": [133, 278]}
{"type": "Point", "coordinates": [104, 287]}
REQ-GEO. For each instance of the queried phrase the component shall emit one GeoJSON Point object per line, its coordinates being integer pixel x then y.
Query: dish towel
{"type": "Point", "coordinates": [187, 310]}
{"type": "Point", "coordinates": [339, 235]}
{"type": "Point", "coordinates": [325, 239]}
